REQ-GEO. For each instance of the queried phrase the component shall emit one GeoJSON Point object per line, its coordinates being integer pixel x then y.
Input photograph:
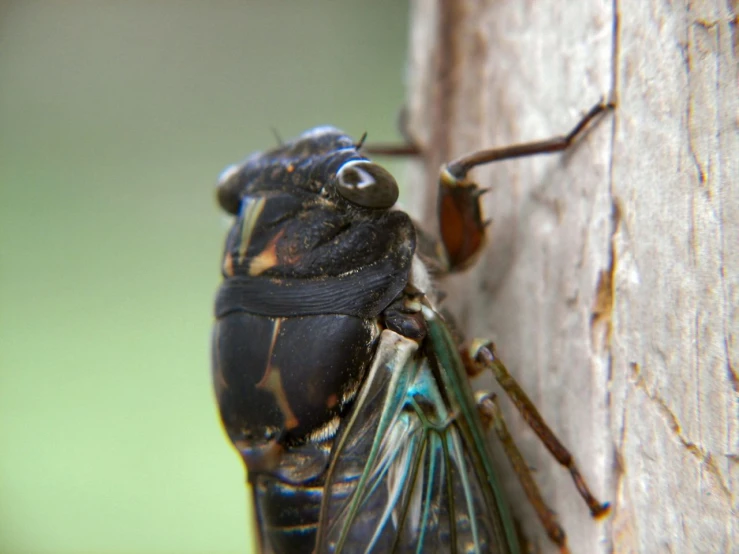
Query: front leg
{"type": "Point", "coordinates": [461, 225]}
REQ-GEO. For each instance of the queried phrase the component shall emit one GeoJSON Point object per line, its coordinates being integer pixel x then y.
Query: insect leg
{"type": "Point", "coordinates": [459, 168]}
{"type": "Point", "coordinates": [492, 417]}
{"type": "Point", "coordinates": [482, 356]}
{"type": "Point", "coordinates": [400, 149]}
{"type": "Point", "coordinates": [461, 225]}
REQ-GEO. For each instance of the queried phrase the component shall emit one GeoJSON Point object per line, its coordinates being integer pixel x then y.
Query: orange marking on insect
{"type": "Point", "coordinates": [261, 458]}
{"type": "Point", "coordinates": [228, 265]}
{"type": "Point", "coordinates": [267, 258]}
{"type": "Point", "coordinates": [290, 168]}
{"type": "Point", "coordinates": [332, 401]}
{"type": "Point", "coordinates": [272, 382]}
{"type": "Point", "coordinates": [220, 382]}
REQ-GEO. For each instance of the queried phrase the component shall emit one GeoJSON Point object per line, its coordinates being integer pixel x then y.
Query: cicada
{"type": "Point", "coordinates": [339, 381]}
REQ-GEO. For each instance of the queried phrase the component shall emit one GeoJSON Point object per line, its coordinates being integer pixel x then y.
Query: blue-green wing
{"type": "Point", "coordinates": [410, 470]}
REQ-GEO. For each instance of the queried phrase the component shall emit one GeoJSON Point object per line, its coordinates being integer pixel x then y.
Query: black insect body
{"type": "Point", "coordinates": [337, 379]}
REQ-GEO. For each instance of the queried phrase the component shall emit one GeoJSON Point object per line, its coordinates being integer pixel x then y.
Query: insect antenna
{"type": "Point", "coordinates": [278, 138]}
{"type": "Point", "coordinates": [361, 140]}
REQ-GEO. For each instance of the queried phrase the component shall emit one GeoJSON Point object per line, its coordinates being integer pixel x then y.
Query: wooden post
{"type": "Point", "coordinates": [611, 280]}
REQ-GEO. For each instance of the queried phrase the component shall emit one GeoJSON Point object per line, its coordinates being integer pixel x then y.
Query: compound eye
{"type": "Point", "coordinates": [367, 184]}
{"type": "Point", "coordinates": [228, 189]}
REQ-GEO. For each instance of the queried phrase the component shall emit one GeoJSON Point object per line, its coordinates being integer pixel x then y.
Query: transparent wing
{"type": "Point", "coordinates": [410, 471]}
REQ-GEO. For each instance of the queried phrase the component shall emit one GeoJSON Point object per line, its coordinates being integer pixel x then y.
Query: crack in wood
{"type": "Point", "coordinates": [704, 457]}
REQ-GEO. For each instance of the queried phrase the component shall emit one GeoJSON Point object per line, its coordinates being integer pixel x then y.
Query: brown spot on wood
{"type": "Point", "coordinates": [451, 17]}
{"type": "Point", "coordinates": [600, 318]}
{"type": "Point", "coordinates": [605, 290]}
{"type": "Point", "coordinates": [603, 305]}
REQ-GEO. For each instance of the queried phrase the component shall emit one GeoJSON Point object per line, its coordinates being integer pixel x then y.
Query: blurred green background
{"type": "Point", "coordinates": [115, 120]}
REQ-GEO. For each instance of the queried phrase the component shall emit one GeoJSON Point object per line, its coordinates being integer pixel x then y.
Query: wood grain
{"type": "Point", "coordinates": [611, 280]}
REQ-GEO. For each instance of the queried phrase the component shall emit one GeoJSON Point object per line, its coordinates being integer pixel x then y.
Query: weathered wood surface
{"type": "Point", "coordinates": [611, 281]}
